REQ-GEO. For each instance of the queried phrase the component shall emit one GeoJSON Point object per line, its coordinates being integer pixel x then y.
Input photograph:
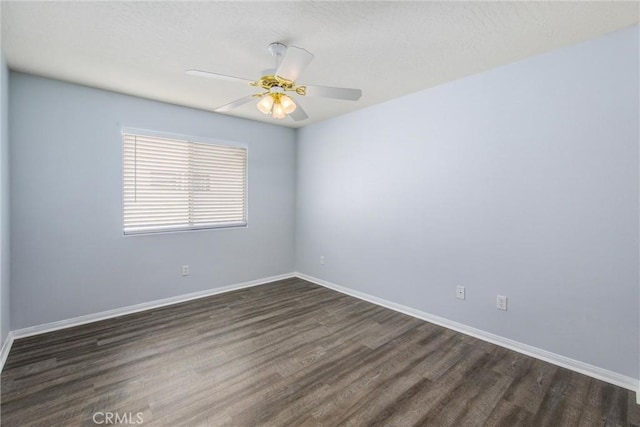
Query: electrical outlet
{"type": "Point", "coordinates": [185, 270]}
{"type": "Point", "coordinates": [460, 292]}
{"type": "Point", "coordinates": [501, 302]}
{"type": "Point", "coordinates": [322, 259]}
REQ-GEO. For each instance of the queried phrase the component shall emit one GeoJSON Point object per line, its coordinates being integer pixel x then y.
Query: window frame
{"type": "Point", "coordinates": [190, 138]}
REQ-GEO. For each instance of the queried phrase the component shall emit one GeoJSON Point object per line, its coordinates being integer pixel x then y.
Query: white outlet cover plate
{"type": "Point", "coordinates": [501, 302]}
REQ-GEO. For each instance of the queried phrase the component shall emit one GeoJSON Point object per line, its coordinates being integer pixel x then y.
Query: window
{"type": "Point", "coordinates": [174, 184]}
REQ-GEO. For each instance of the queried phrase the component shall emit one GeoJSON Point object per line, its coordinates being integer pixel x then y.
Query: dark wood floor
{"type": "Point", "coordinates": [290, 354]}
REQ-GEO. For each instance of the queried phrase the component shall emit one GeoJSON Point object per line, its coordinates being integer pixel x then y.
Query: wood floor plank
{"type": "Point", "coordinates": [530, 386]}
{"type": "Point", "coordinates": [564, 399]}
{"type": "Point", "coordinates": [506, 414]}
{"type": "Point", "coordinates": [291, 353]}
{"type": "Point", "coordinates": [633, 409]}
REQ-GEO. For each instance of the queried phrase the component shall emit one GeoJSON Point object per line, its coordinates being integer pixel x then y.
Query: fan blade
{"type": "Point", "coordinates": [298, 114]}
{"type": "Point", "coordinates": [200, 73]}
{"type": "Point", "coordinates": [293, 64]}
{"type": "Point", "coordinates": [334, 92]}
{"type": "Point", "coordinates": [234, 104]}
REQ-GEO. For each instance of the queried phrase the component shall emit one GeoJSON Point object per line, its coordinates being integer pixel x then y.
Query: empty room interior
{"type": "Point", "coordinates": [320, 213]}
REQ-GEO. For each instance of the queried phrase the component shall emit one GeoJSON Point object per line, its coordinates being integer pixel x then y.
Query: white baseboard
{"type": "Point", "coordinates": [89, 318]}
{"type": "Point", "coordinates": [6, 347]}
{"type": "Point", "coordinates": [556, 359]}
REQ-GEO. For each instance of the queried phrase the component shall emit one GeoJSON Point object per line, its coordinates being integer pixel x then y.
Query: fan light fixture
{"type": "Point", "coordinates": [276, 104]}
{"type": "Point", "coordinates": [290, 62]}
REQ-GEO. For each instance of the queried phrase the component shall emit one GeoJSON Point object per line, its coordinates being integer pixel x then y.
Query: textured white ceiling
{"type": "Point", "coordinates": [387, 49]}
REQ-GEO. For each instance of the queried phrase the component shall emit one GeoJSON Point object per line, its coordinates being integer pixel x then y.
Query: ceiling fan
{"type": "Point", "coordinates": [277, 82]}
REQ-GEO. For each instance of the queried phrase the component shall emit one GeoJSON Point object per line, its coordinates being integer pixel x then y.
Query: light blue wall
{"type": "Point", "coordinates": [68, 255]}
{"type": "Point", "coordinates": [520, 181]}
{"type": "Point", "coordinates": [4, 200]}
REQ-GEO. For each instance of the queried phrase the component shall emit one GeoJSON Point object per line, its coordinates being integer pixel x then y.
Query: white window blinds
{"type": "Point", "coordinates": [172, 184]}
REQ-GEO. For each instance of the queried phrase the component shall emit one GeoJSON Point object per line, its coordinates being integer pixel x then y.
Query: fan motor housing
{"type": "Point", "coordinates": [269, 81]}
